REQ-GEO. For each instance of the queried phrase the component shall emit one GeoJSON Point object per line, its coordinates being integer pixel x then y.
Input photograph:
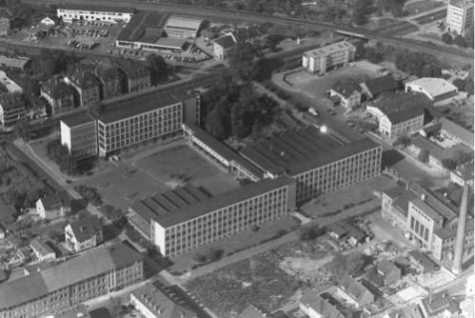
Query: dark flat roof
{"type": "Point", "coordinates": [223, 150]}
{"type": "Point", "coordinates": [136, 27]}
{"type": "Point", "coordinates": [301, 150]}
{"type": "Point", "coordinates": [174, 207]}
{"type": "Point", "coordinates": [402, 106]}
{"type": "Point", "coordinates": [77, 119]}
{"type": "Point", "coordinates": [135, 106]}
{"type": "Point", "coordinates": [89, 7]}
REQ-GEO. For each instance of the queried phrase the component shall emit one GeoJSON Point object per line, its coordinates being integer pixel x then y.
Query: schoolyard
{"type": "Point", "coordinates": [157, 169]}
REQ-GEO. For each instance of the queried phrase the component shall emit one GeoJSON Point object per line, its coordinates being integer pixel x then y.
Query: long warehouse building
{"type": "Point", "coordinates": [187, 217]}
{"type": "Point", "coordinates": [68, 284]}
{"type": "Point", "coordinates": [317, 162]}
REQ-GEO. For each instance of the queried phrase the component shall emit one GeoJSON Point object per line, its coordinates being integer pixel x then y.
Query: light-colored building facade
{"type": "Point", "coordinates": [321, 59]}
{"type": "Point", "coordinates": [50, 207]}
{"type": "Point", "coordinates": [180, 27]}
{"type": "Point", "coordinates": [348, 93]}
{"type": "Point", "coordinates": [87, 87]}
{"type": "Point", "coordinates": [443, 244]}
{"type": "Point", "coordinates": [71, 12]}
{"type": "Point", "coordinates": [223, 45]}
{"type": "Point", "coordinates": [79, 135]}
{"type": "Point", "coordinates": [9, 84]}
{"type": "Point", "coordinates": [459, 15]}
{"type": "Point", "coordinates": [83, 234]}
{"type": "Point", "coordinates": [59, 95]}
{"type": "Point", "coordinates": [42, 251]}
{"type": "Point", "coordinates": [68, 284]}
{"type": "Point", "coordinates": [436, 89]}
{"type": "Point", "coordinates": [5, 17]}
{"type": "Point", "coordinates": [202, 219]}
{"type": "Point", "coordinates": [423, 221]}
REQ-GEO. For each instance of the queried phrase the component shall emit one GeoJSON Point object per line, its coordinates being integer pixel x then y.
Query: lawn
{"type": "Point", "coordinates": [157, 170]}
{"type": "Point", "coordinates": [257, 280]}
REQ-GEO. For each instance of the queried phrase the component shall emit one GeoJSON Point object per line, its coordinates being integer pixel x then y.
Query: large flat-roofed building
{"type": "Point", "coordinates": [436, 89]}
{"type": "Point", "coordinates": [68, 284]}
{"type": "Point", "coordinates": [220, 153]}
{"type": "Point", "coordinates": [154, 117]}
{"type": "Point", "coordinates": [459, 15]}
{"type": "Point", "coordinates": [180, 27]}
{"type": "Point", "coordinates": [145, 32]}
{"type": "Point", "coordinates": [79, 135]}
{"type": "Point", "coordinates": [12, 109]}
{"type": "Point", "coordinates": [398, 114]}
{"type": "Point", "coordinates": [71, 12]}
{"type": "Point", "coordinates": [321, 59]}
{"type": "Point", "coordinates": [188, 217]}
{"type": "Point", "coordinates": [315, 160]}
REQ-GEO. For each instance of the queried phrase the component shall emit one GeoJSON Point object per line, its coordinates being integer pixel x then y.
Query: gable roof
{"type": "Point", "coordinates": [51, 201]}
{"type": "Point", "coordinates": [226, 41]}
{"type": "Point", "coordinates": [321, 306]}
{"type": "Point", "coordinates": [387, 267]}
{"type": "Point", "coordinates": [401, 107]}
{"type": "Point", "coordinates": [86, 228]}
{"type": "Point", "coordinates": [354, 288]}
{"type": "Point", "coordinates": [346, 87]}
{"type": "Point", "coordinates": [41, 247]}
{"type": "Point", "coordinates": [11, 101]}
{"type": "Point", "coordinates": [251, 312]}
{"type": "Point", "coordinates": [423, 260]}
{"type": "Point", "coordinates": [456, 130]}
{"type": "Point", "coordinates": [439, 302]}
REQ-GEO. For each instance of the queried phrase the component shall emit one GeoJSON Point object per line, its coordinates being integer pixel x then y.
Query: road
{"type": "Point", "coordinates": [428, 18]}
{"type": "Point", "coordinates": [235, 15]}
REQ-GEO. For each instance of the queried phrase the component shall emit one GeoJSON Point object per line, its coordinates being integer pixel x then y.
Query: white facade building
{"type": "Point", "coordinates": [321, 59]}
{"type": "Point", "coordinates": [71, 12]}
{"type": "Point", "coordinates": [436, 89]}
{"type": "Point", "coordinates": [459, 15]}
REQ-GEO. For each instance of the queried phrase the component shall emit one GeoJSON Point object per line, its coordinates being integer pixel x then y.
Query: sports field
{"type": "Point", "coordinates": [156, 170]}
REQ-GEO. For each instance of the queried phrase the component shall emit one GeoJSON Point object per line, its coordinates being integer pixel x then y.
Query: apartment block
{"type": "Point", "coordinates": [70, 283]}
{"type": "Point", "coordinates": [316, 161]}
{"type": "Point", "coordinates": [86, 86]}
{"type": "Point", "coordinates": [12, 108]}
{"type": "Point", "coordinates": [459, 15]}
{"type": "Point", "coordinates": [187, 217]}
{"type": "Point", "coordinates": [319, 60]}
{"type": "Point", "coordinates": [79, 135]}
{"type": "Point", "coordinates": [110, 79]}
{"type": "Point", "coordinates": [139, 120]}
{"type": "Point", "coordinates": [71, 12]}
{"type": "Point", "coordinates": [60, 96]}
{"type": "Point", "coordinates": [136, 75]}
{"type": "Point", "coordinates": [5, 17]}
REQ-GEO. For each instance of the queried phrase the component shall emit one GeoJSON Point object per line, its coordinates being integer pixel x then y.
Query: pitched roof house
{"type": "Point", "coordinates": [83, 234]}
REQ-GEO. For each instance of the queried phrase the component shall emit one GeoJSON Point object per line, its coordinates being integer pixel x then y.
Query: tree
{"type": "Point", "coordinates": [459, 83]}
{"type": "Point", "coordinates": [469, 37]}
{"type": "Point", "coordinates": [361, 10]}
{"type": "Point", "coordinates": [158, 67]}
{"type": "Point", "coordinates": [423, 156]}
{"type": "Point", "coordinates": [447, 38]}
{"type": "Point", "coordinates": [469, 85]}
{"type": "Point", "coordinates": [461, 41]}
{"type": "Point", "coordinates": [352, 264]}
{"type": "Point", "coordinates": [241, 61]}
{"type": "Point", "coordinates": [449, 164]}
{"type": "Point", "coordinates": [310, 232]}
{"type": "Point", "coordinates": [403, 141]}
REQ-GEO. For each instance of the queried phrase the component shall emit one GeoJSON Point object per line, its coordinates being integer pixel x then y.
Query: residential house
{"type": "Point", "coordinates": [110, 80]}
{"type": "Point", "coordinates": [398, 114]}
{"type": "Point", "coordinates": [12, 109]}
{"type": "Point", "coordinates": [390, 273]}
{"type": "Point", "coordinates": [410, 311]}
{"type": "Point", "coordinates": [422, 262]}
{"type": "Point", "coordinates": [454, 131]}
{"type": "Point", "coordinates": [354, 292]}
{"type": "Point", "coordinates": [50, 207]}
{"type": "Point", "coordinates": [153, 303]}
{"type": "Point", "coordinates": [83, 234]}
{"type": "Point", "coordinates": [137, 76]}
{"type": "Point", "coordinates": [373, 88]}
{"type": "Point", "coordinates": [315, 306]}
{"type": "Point", "coordinates": [439, 305]}
{"type": "Point", "coordinates": [87, 87]}
{"type": "Point", "coordinates": [349, 93]}
{"type": "Point", "coordinates": [59, 95]}
{"type": "Point", "coordinates": [223, 45]}
{"type": "Point", "coordinates": [5, 17]}
{"type": "Point", "coordinates": [42, 251]}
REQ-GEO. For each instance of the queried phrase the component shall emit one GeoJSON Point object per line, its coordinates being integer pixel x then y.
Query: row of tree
{"type": "Point", "coordinates": [458, 40]}
{"type": "Point", "coordinates": [60, 154]}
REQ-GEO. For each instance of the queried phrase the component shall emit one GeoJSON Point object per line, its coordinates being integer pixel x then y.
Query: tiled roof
{"type": "Point", "coordinates": [41, 247]}
{"type": "Point", "coordinates": [251, 312]}
{"type": "Point", "coordinates": [86, 228]}
{"type": "Point", "coordinates": [346, 87]}
{"type": "Point", "coordinates": [424, 260]}
{"type": "Point", "coordinates": [382, 84]}
{"type": "Point", "coordinates": [401, 107]}
{"type": "Point", "coordinates": [456, 130]}
{"type": "Point", "coordinates": [226, 41]}
{"type": "Point", "coordinates": [436, 303]}
{"type": "Point", "coordinates": [354, 288]}
{"type": "Point", "coordinates": [11, 101]}
{"type": "Point", "coordinates": [79, 268]}
{"type": "Point", "coordinates": [51, 201]}
{"type": "Point", "coordinates": [321, 306]}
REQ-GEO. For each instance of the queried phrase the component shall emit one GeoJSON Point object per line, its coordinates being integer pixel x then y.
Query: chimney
{"type": "Point", "coordinates": [459, 239]}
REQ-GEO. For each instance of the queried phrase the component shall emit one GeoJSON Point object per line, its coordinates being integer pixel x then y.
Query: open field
{"type": "Point", "coordinates": [155, 170]}
{"type": "Point", "coordinates": [316, 86]}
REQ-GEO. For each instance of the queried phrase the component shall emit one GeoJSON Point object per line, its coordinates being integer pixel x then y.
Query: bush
{"type": "Point", "coordinates": [423, 156]}
{"type": "Point", "coordinates": [461, 41]}
{"type": "Point", "coordinates": [447, 38]}
{"type": "Point", "coordinates": [310, 232]}
{"type": "Point", "coordinates": [60, 154]}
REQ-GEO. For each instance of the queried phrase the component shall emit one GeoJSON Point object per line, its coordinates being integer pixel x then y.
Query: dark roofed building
{"type": "Point", "coordinates": [12, 109]}
{"type": "Point", "coordinates": [83, 234]}
{"type": "Point", "coordinates": [354, 292]}
{"type": "Point", "coordinates": [384, 84]}
{"type": "Point", "coordinates": [315, 306]}
{"type": "Point", "coordinates": [456, 132]}
{"type": "Point", "coordinates": [136, 73]}
{"type": "Point", "coordinates": [348, 91]}
{"type": "Point", "coordinates": [390, 273]}
{"type": "Point", "coordinates": [59, 95]}
{"type": "Point", "coordinates": [399, 114]}
{"type": "Point", "coordinates": [110, 81]}
{"type": "Point", "coordinates": [422, 262]}
{"type": "Point", "coordinates": [395, 206]}
{"type": "Point", "coordinates": [50, 207]}
{"type": "Point", "coordinates": [439, 304]}
{"type": "Point", "coordinates": [223, 45]}
{"type": "Point", "coordinates": [87, 87]}
{"type": "Point", "coordinates": [89, 275]}
{"type": "Point", "coordinates": [307, 154]}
